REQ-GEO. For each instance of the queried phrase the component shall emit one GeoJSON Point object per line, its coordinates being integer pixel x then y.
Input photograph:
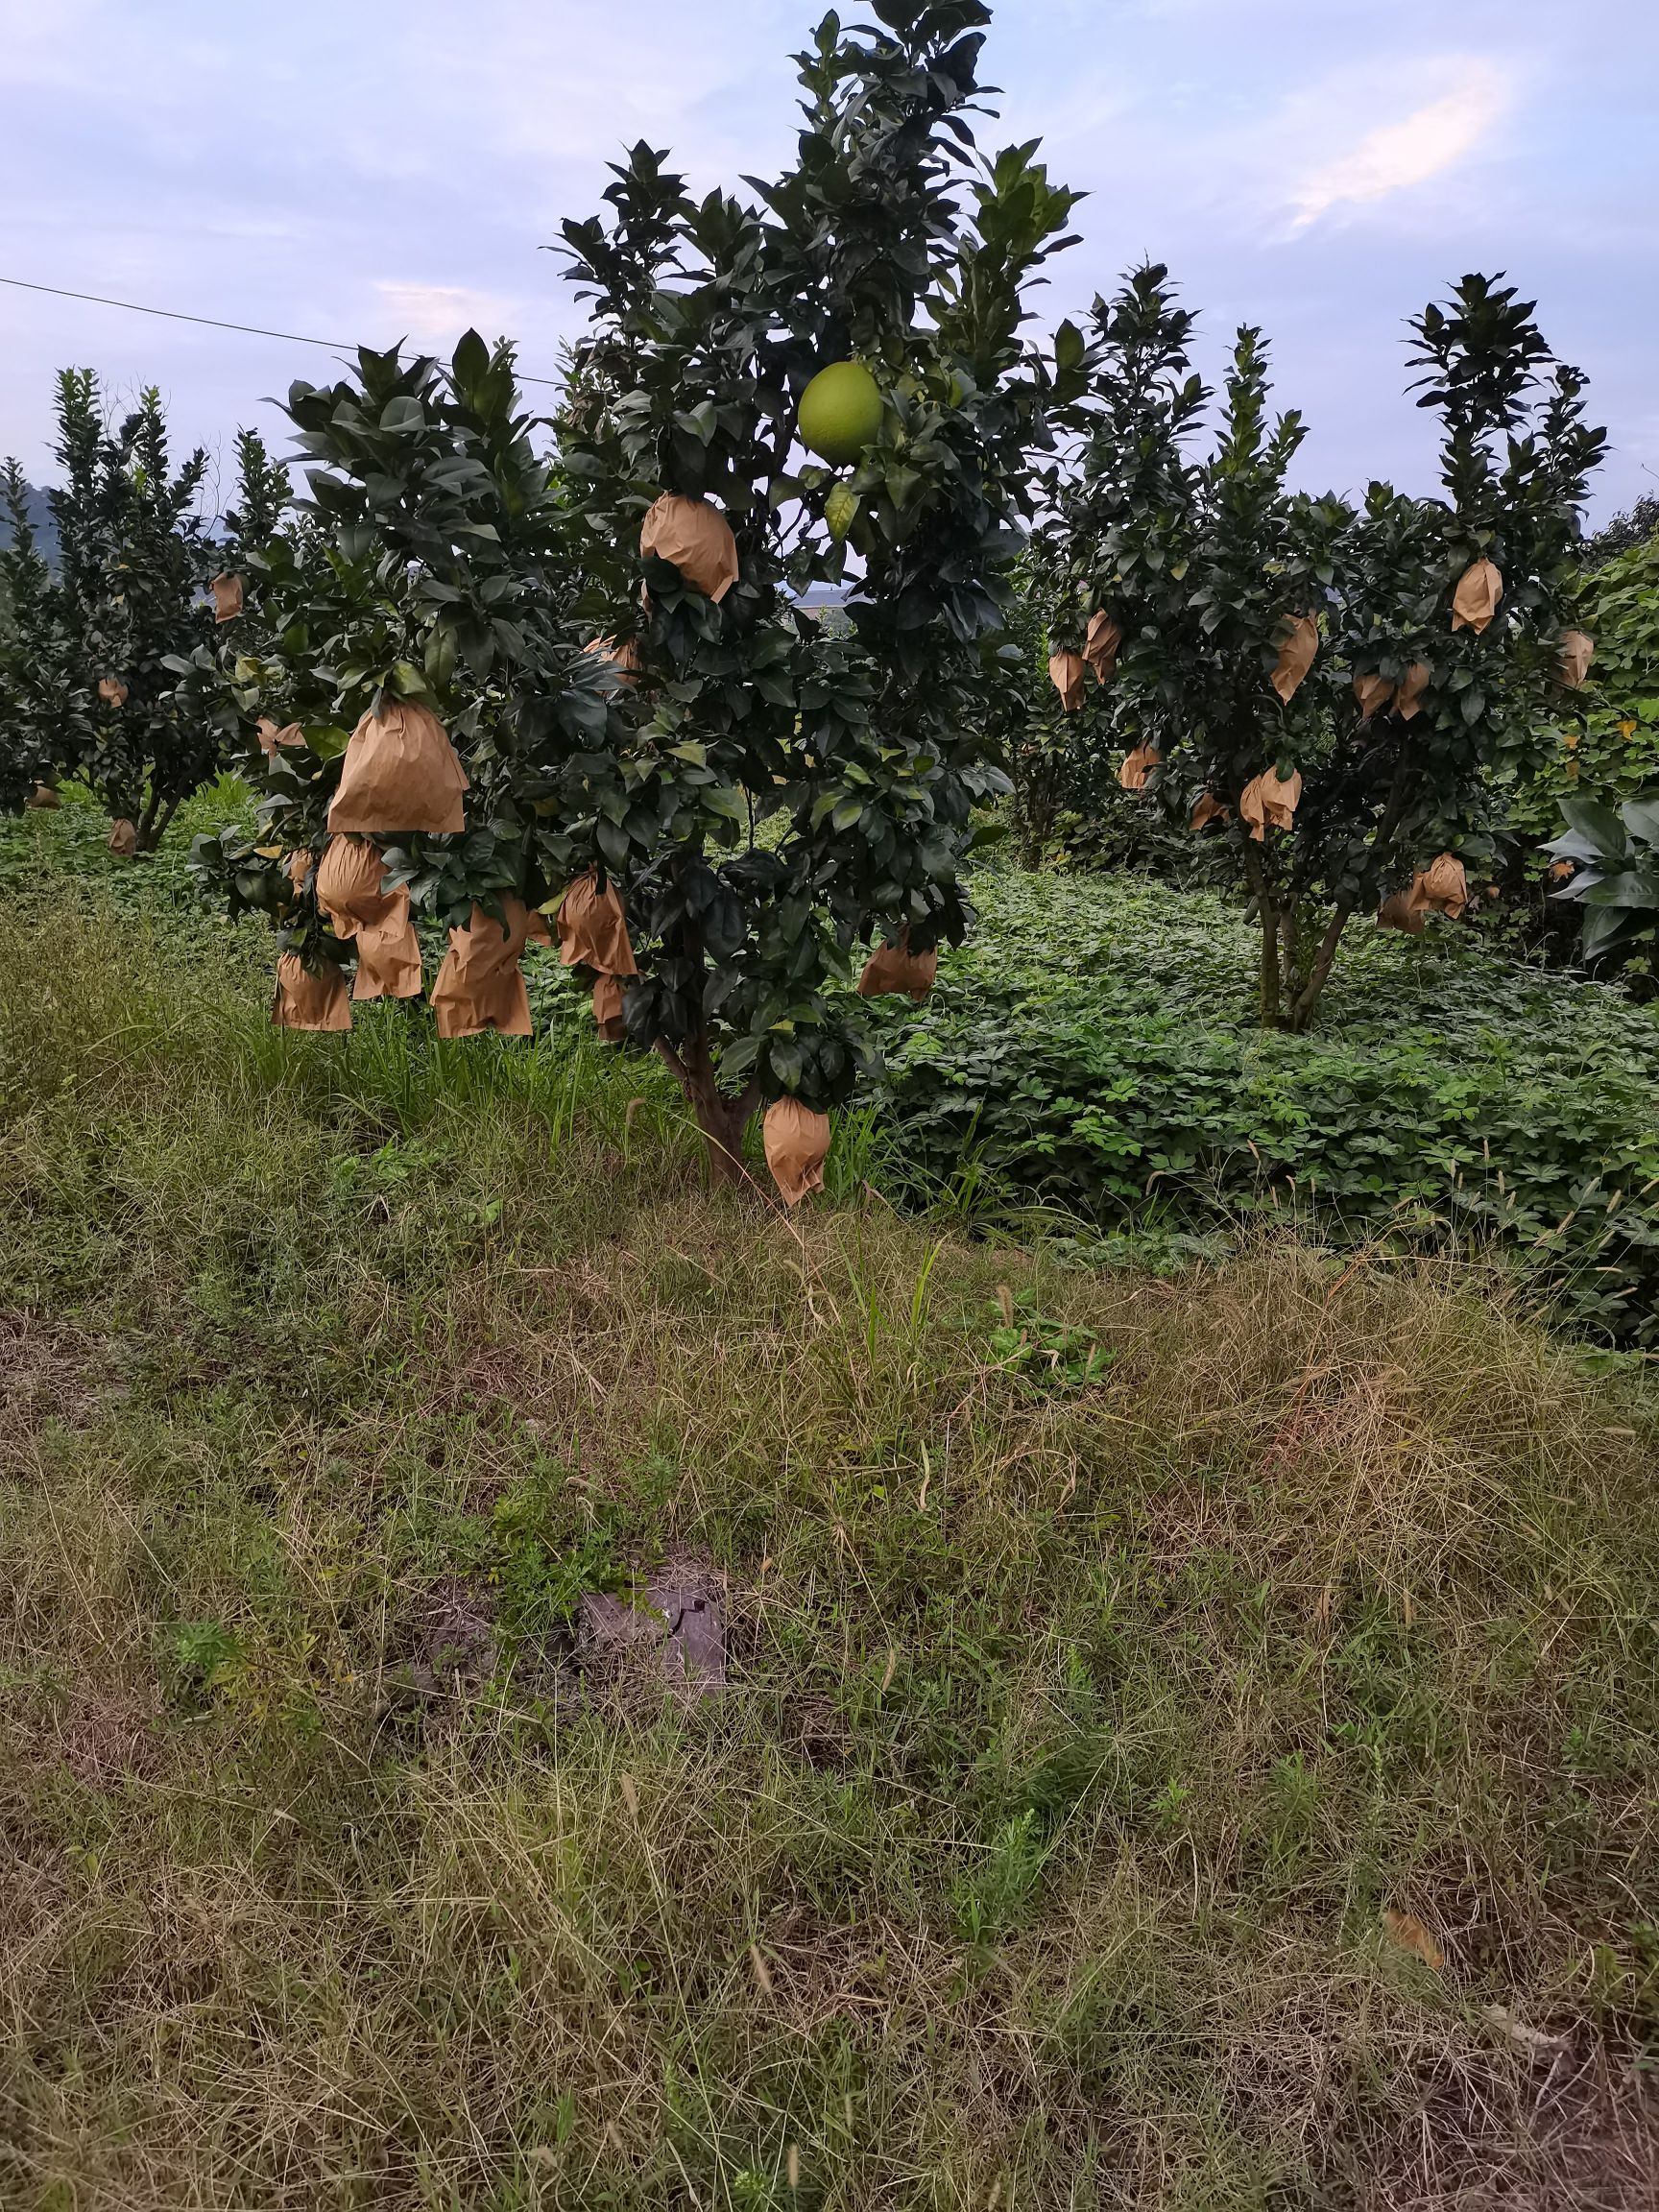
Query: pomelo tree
{"type": "Point", "coordinates": [613, 635]}
{"type": "Point", "coordinates": [431, 572]}
{"type": "Point", "coordinates": [137, 559]}
{"type": "Point", "coordinates": [824, 385]}
{"type": "Point", "coordinates": [1342, 698]}
{"type": "Point", "coordinates": [38, 736]}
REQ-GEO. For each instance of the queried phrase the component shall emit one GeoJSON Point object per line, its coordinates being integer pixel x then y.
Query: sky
{"type": "Point", "coordinates": [358, 171]}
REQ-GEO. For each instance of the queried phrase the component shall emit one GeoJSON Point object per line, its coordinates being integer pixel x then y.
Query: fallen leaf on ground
{"type": "Point", "coordinates": [1410, 1934]}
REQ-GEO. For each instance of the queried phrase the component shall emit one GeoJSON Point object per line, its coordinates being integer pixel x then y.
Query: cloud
{"type": "Point", "coordinates": [431, 313]}
{"type": "Point", "coordinates": [1397, 155]}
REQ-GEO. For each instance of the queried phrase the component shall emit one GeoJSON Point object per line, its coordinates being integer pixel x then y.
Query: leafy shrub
{"type": "Point", "coordinates": [1090, 1050]}
{"type": "Point", "coordinates": [1615, 860]}
{"type": "Point", "coordinates": [1616, 756]}
{"type": "Point", "coordinates": [1637, 525]}
{"type": "Point", "coordinates": [1607, 756]}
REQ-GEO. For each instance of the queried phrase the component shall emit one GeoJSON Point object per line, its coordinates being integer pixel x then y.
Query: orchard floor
{"type": "Point", "coordinates": [1195, 1747]}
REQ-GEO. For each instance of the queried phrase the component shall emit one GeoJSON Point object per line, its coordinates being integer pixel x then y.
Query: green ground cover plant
{"type": "Point", "coordinates": [1186, 1744]}
{"type": "Point", "coordinates": [1091, 1051]}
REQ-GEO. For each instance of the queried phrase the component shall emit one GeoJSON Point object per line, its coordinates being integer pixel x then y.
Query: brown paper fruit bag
{"type": "Point", "coordinates": [1476, 599]}
{"type": "Point", "coordinates": [1400, 913]}
{"type": "Point", "coordinates": [350, 893]}
{"type": "Point", "coordinates": [893, 970]}
{"type": "Point", "coordinates": [593, 928]}
{"type": "Point", "coordinates": [1295, 656]}
{"type": "Point", "coordinates": [1138, 766]}
{"type": "Point", "coordinates": [270, 736]}
{"type": "Point", "coordinates": [607, 1009]}
{"type": "Point", "coordinates": [1100, 646]}
{"type": "Point", "coordinates": [401, 773]}
{"type": "Point", "coordinates": [1267, 803]}
{"type": "Point", "coordinates": [43, 799]}
{"type": "Point", "coordinates": [297, 867]}
{"type": "Point", "coordinates": [349, 883]}
{"type": "Point", "coordinates": [1413, 686]}
{"type": "Point", "coordinates": [624, 657]}
{"type": "Point", "coordinates": [1209, 810]}
{"type": "Point", "coordinates": [479, 986]}
{"type": "Point", "coordinates": [1577, 651]}
{"type": "Point", "coordinates": [122, 839]}
{"type": "Point", "coordinates": [797, 1145]}
{"type": "Point", "coordinates": [1373, 693]}
{"type": "Point", "coordinates": [226, 593]}
{"type": "Point", "coordinates": [111, 691]}
{"type": "Point", "coordinates": [1443, 885]}
{"type": "Point", "coordinates": [389, 953]}
{"type": "Point", "coordinates": [694, 537]}
{"type": "Point", "coordinates": [1065, 672]}
{"type": "Point", "coordinates": [307, 1001]}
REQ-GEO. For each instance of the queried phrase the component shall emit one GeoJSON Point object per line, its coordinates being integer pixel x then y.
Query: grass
{"type": "Point", "coordinates": [1107, 1655]}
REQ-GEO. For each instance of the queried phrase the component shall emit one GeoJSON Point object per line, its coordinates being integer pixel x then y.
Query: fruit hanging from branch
{"type": "Point", "coordinates": [840, 413]}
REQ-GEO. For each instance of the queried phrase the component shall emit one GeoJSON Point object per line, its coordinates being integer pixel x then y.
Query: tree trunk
{"type": "Point", "coordinates": [1268, 919]}
{"type": "Point", "coordinates": [153, 825]}
{"type": "Point", "coordinates": [1306, 1002]}
{"type": "Point", "coordinates": [722, 1120]}
{"type": "Point", "coordinates": [1270, 989]}
{"type": "Point", "coordinates": [1034, 814]}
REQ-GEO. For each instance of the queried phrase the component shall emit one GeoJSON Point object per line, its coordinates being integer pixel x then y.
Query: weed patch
{"type": "Point", "coordinates": [1108, 1654]}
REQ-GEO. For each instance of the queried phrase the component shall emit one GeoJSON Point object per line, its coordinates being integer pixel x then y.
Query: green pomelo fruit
{"type": "Point", "coordinates": [840, 413]}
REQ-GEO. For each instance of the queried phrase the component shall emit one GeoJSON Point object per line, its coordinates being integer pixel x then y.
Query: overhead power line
{"type": "Point", "coordinates": [212, 322]}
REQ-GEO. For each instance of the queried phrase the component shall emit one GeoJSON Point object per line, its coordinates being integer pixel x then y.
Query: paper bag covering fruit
{"type": "Point", "coordinates": [1209, 810]}
{"type": "Point", "coordinates": [1476, 599]}
{"type": "Point", "coordinates": [1100, 646]}
{"type": "Point", "coordinates": [624, 658]}
{"type": "Point", "coordinates": [1267, 804]}
{"type": "Point", "coordinates": [1443, 886]}
{"type": "Point", "coordinates": [1138, 766]}
{"type": "Point", "coordinates": [593, 928]}
{"type": "Point", "coordinates": [1373, 693]}
{"type": "Point", "coordinates": [797, 1145]}
{"type": "Point", "coordinates": [1413, 686]}
{"type": "Point", "coordinates": [1295, 656]}
{"type": "Point", "coordinates": [1065, 672]}
{"type": "Point", "coordinates": [350, 893]}
{"type": "Point", "coordinates": [695, 537]}
{"type": "Point", "coordinates": [111, 691]}
{"type": "Point", "coordinates": [892, 970]}
{"type": "Point", "coordinates": [1400, 913]}
{"type": "Point", "coordinates": [400, 774]}
{"type": "Point", "coordinates": [43, 797]}
{"type": "Point", "coordinates": [122, 839]}
{"type": "Point", "coordinates": [226, 593]}
{"type": "Point", "coordinates": [479, 986]}
{"type": "Point", "coordinates": [305, 1001]}
{"type": "Point", "coordinates": [270, 736]}
{"type": "Point", "coordinates": [607, 1009]}
{"type": "Point", "coordinates": [1577, 651]}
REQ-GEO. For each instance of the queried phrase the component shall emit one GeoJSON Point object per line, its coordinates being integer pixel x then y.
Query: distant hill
{"type": "Point", "coordinates": [41, 516]}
